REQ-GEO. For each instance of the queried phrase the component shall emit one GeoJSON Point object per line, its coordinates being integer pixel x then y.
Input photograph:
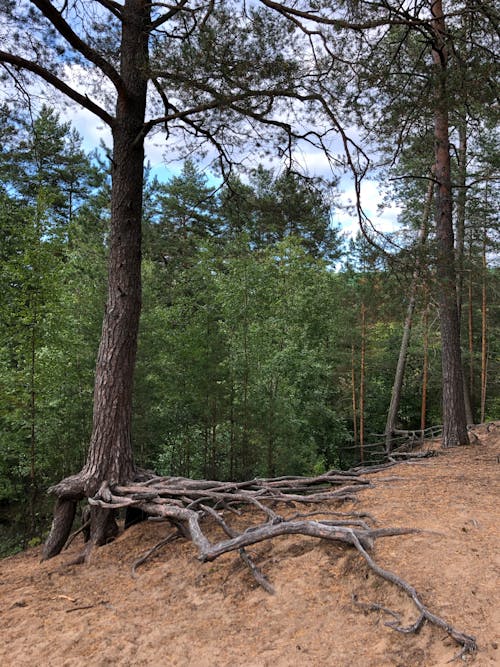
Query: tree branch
{"type": "Point", "coordinates": [64, 29]}
{"type": "Point", "coordinates": [59, 84]}
{"type": "Point", "coordinates": [315, 17]}
{"type": "Point", "coordinates": [168, 15]}
{"type": "Point", "coordinates": [113, 7]}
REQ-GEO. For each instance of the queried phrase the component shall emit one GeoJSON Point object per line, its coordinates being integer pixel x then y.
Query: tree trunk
{"type": "Point", "coordinates": [110, 453]}
{"type": "Point", "coordinates": [362, 386]}
{"type": "Point", "coordinates": [461, 201]}
{"type": "Point", "coordinates": [110, 456]}
{"type": "Point", "coordinates": [425, 368]}
{"type": "Point", "coordinates": [405, 341]}
{"type": "Point", "coordinates": [454, 420]}
{"type": "Point", "coordinates": [471, 338]}
{"type": "Point", "coordinates": [484, 323]}
{"type": "Point", "coordinates": [460, 242]}
{"type": "Point", "coordinates": [354, 407]}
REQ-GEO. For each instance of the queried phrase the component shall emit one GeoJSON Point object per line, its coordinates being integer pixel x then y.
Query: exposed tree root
{"type": "Point", "coordinates": [188, 505]}
{"type": "Point", "coordinates": [85, 527]}
{"type": "Point", "coordinates": [167, 540]}
{"type": "Point", "coordinates": [375, 606]}
{"type": "Point", "coordinates": [64, 514]}
{"type": "Point", "coordinates": [468, 642]}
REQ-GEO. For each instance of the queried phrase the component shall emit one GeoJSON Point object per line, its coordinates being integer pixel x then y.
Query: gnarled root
{"type": "Point", "coordinates": [102, 526]}
{"type": "Point", "coordinates": [103, 529]}
{"type": "Point", "coordinates": [186, 503]}
{"type": "Point", "coordinates": [467, 642]}
{"type": "Point", "coordinates": [64, 514]}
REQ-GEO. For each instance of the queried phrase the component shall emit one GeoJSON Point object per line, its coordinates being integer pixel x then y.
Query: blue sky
{"type": "Point", "coordinates": [93, 131]}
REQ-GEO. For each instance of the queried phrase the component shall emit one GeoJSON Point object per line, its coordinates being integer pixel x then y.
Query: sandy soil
{"type": "Point", "coordinates": [181, 612]}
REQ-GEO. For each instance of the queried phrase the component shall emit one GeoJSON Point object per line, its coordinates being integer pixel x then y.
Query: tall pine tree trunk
{"type": "Point", "coordinates": [425, 368]}
{"type": "Point", "coordinates": [454, 419]}
{"type": "Point", "coordinates": [362, 385]}
{"type": "Point", "coordinates": [460, 241]}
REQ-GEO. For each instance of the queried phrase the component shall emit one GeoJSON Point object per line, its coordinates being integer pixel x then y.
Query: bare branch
{"type": "Point", "coordinates": [114, 7]}
{"type": "Point", "coordinates": [54, 16]}
{"type": "Point", "coordinates": [316, 17]}
{"type": "Point", "coordinates": [59, 84]}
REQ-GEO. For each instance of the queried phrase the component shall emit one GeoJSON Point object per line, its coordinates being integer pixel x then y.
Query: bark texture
{"type": "Point", "coordinates": [110, 454]}
{"type": "Point", "coordinates": [454, 420]}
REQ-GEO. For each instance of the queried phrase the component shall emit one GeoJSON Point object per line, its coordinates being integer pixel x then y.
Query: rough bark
{"type": "Point", "coordinates": [460, 242]}
{"type": "Point", "coordinates": [64, 514]}
{"type": "Point", "coordinates": [484, 329]}
{"type": "Point", "coordinates": [110, 453]}
{"type": "Point", "coordinates": [454, 419]}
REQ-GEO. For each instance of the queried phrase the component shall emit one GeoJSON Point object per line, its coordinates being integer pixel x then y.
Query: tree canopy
{"type": "Point", "coordinates": [244, 274]}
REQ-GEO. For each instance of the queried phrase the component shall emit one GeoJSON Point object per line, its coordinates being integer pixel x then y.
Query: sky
{"type": "Point", "coordinates": [312, 161]}
{"type": "Point", "coordinates": [93, 131]}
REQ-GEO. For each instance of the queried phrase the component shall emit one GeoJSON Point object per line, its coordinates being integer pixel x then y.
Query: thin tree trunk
{"type": "Point", "coordinates": [461, 201]}
{"type": "Point", "coordinates": [206, 443]}
{"type": "Point", "coordinates": [273, 388]}
{"type": "Point", "coordinates": [231, 432]}
{"type": "Point", "coordinates": [213, 440]}
{"type": "Point", "coordinates": [454, 419]}
{"type": "Point", "coordinates": [32, 492]}
{"type": "Point", "coordinates": [245, 458]}
{"type": "Point", "coordinates": [354, 407]}
{"type": "Point", "coordinates": [484, 338]}
{"type": "Point", "coordinates": [405, 341]}
{"type": "Point", "coordinates": [425, 369]}
{"type": "Point", "coordinates": [471, 338]}
{"type": "Point", "coordinates": [362, 385]}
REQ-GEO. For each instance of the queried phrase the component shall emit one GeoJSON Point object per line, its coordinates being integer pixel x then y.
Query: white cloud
{"type": "Point", "coordinates": [384, 218]}
{"type": "Point", "coordinates": [90, 127]}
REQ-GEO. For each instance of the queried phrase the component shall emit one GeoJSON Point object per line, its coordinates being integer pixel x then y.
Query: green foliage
{"type": "Point", "coordinates": [248, 335]}
{"type": "Point", "coordinates": [51, 282]}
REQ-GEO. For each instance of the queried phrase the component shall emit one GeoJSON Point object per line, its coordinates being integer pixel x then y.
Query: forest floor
{"type": "Point", "coordinates": [179, 611]}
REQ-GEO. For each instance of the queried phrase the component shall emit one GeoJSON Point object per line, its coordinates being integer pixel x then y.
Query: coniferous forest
{"type": "Point", "coordinates": [268, 341]}
{"type": "Point", "coordinates": [206, 343]}
{"type": "Point", "coordinates": [219, 323]}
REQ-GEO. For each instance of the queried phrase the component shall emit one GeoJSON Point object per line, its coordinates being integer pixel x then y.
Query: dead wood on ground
{"type": "Point", "coordinates": [196, 508]}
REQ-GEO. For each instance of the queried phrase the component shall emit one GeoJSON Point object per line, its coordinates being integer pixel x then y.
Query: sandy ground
{"type": "Point", "coordinates": [181, 612]}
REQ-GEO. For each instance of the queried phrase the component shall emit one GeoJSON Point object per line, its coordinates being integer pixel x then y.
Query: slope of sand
{"type": "Point", "coordinates": [181, 612]}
